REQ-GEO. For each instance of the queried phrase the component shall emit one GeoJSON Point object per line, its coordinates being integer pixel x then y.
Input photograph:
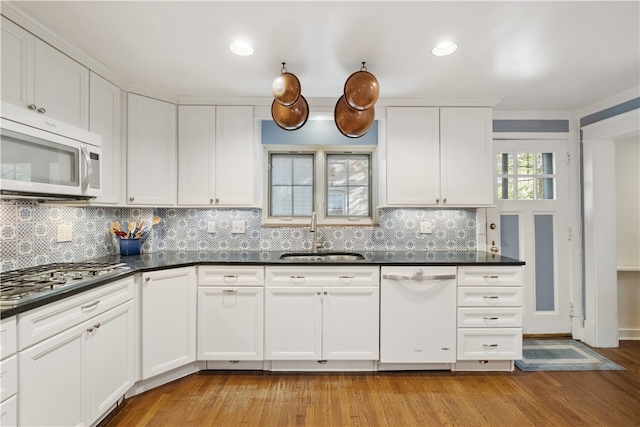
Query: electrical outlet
{"type": "Point", "coordinates": [237, 227]}
{"type": "Point", "coordinates": [426, 227]}
{"type": "Point", "coordinates": [65, 232]}
{"type": "Point", "coordinates": [211, 227]}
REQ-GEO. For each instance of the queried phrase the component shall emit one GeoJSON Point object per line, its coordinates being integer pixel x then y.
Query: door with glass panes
{"type": "Point", "coordinates": [532, 225]}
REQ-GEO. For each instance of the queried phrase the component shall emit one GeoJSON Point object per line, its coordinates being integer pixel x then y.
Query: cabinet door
{"type": "Point", "coordinates": [61, 86]}
{"type": "Point", "coordinates": [466, 156]}
{"type": "Point", "coordinates": [413, 156]}
{"type": "Point", "coordinates": [111, 357]}
{"type": "Point", "coordinates": [293, 323]}
{"type": "Point", "coordinates": [196, 155]}
{"type": "Point", "coordinates": [151, 151]}
{"type": "Point", "coordinates": [105, 120]}
{"type": "Point", "coordinates": [52, 381]}
{"type": "Point", "coordinates": [168, 320]}
{"type": "Point", "coordinates": [17, 64]}
{"type": "Point", "coordinates": [234, 166]}
{"type": "Point", "coordinates": [230, 323]}
{"type": "Point", "coordinates": [350, 323]}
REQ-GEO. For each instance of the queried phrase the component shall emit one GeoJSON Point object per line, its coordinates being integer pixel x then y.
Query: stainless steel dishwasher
{"type": "Point", "coordinates": [418, 315]}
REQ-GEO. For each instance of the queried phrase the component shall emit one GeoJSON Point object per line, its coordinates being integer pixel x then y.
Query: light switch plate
{"type": "Point", "coordinates": [237, 227]}
{"type": "Point", "coordinates": [65, 233]}
{"type": "Point", "coordinates": [211, 227]}
{"type": "Point", "coordinates": [426, 227]}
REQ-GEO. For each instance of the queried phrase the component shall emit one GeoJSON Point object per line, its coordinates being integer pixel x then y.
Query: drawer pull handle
{"type": "Point", "coordinates": [92, 305]}
{"type": "Point", "coordinates": [490, 345]}
{"type": "Point", "coordinates": [346, 277]}
{"type": "Point", "coordinates": [234, 361]}
{"type": "Point", "coordinates": [490, 296]}
{"type": "Point", "coordinates": [491, 277]}
{"type": "Point", "coordinates": [418, 277]}
{"type": "Point", "coordinates": [322, 362]}
{"type": "Point", "coordinates": [229, 291]}
{"type": "Point", "coordinates": [297, 277]}
{"type": "Point", "coordinates": [230, 276]}
{"type": "Point", "coordinates": [490, 317]}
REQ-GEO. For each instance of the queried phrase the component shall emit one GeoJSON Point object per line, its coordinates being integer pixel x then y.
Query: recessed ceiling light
{"type": "Point", "coordinates": [241, 48]}
{"type": "Point", "coordinates": [444, 49]}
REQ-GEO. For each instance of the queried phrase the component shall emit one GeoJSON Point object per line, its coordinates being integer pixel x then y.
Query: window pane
{"type": "Point", "coordinates": [545, 164]}
{"type": "Point", "coordinates": [505, 164]}
{"type": "Point", "coordinates": [336, 171]}
{"type": "Point", "coordinates": [336, 202]}
{"type": "Point", "coordinates": [291, 184]}
{"type": "Point", "coordinates": [505, 188]}
{"type": "Point", "coordinates": [281, 201]}
{"type": "Point", "coordinates": [545, 188]}
{"type": "Point", "coordinates": [525, 189]}
{"type": "Point", "coordinates": [358, 201]}
{"type": "Point", "coordinates": [281, 170]}
{"type": "Point", "coordinates": [358, 171]}
{"type": "Point", "coordinates": [302, 200]}
{"type": "Point", "coordinates": [303, 171]}
{"type": "Point", "coordinates": [525, 163]}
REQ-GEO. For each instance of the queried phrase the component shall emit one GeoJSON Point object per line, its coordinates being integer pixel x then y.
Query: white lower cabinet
{"type": "Point", "coordinates": [230, 313]}
{"type": "Point", "coordinates": [322, 313]}
{"type": "Point", "coordinates": [8, 372]}
{"type": "Point", "coordinates": [168, 320]}
{"type": "Point", "coordinates": [489, 317]}
{"type": "Point", "coordinates": [73, 377]}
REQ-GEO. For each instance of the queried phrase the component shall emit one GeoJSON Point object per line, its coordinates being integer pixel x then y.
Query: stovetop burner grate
{"type": "Point", "coordinates": [19, 286]}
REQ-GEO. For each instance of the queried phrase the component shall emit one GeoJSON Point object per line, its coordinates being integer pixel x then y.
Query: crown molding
{"type": "Point", "coordinates": [609, 102]}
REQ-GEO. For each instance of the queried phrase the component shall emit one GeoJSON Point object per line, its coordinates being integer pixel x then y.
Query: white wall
{"type": "Point", "coordinates": [628, 236]}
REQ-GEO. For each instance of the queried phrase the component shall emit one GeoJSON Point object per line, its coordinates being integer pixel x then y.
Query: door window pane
{"type": "Point", "coordinates": [533, 176]}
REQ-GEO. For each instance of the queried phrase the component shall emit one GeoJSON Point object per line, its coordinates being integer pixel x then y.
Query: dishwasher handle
{"type": "Point", "coordinates": [418, 277]}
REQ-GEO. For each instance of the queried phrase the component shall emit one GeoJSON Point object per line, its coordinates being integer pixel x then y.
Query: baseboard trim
{"type": "Point", "coordinates": [629, 334]}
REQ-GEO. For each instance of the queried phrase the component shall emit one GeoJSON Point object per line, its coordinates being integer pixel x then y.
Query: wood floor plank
{"type": "Point", "coordinates": [427, 398]}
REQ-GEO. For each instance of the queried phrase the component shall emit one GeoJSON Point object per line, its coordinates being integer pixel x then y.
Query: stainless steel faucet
{"type": "Point", "coordinates": [313, 228]}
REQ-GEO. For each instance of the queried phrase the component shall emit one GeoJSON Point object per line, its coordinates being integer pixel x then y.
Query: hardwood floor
{"type": "Point", "coordinates": [431, 398]}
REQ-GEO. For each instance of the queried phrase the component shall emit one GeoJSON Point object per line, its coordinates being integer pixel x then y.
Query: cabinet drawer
{"type": "Point", "coordinates": [490, 344]}
{"type": "Point", "coordinates": [8, 340]}
{"type": "Point", "coordinates": [8, 377]}
{"type": "Point", "coordinates": [322, 276]}
{"type": "Point", "coordinates": [489, 297]}
{"type": "Point", "coordinates": [509, 317]}
{"type": "Point", "coordinates": [49, 320]}
{"type": "Point", "coordinates": [489, 276]}
{"type": "Point", "coordinates": [232, 275]}
{"type": "Point", "coordinates": [9, 412]}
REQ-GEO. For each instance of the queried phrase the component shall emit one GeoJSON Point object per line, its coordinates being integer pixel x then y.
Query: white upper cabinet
{"type": "Point", "coordinates": [466, 156]}
{"type": "Point", "coordinates": [105, 120]}
{"type": "Point", "coordinates": [215, 155]}
{"type": "Point", "coordinates": [439, 156]}
{"type": "Point", "coordinates": [151, 152]}
{"type": "Point", "coordinates": [413, 156]}
{"type": "Point", "coordinates": [43, 79]}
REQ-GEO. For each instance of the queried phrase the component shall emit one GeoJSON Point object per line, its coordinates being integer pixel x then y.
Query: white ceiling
{"type": "Point", "coordinates": [535, 56]}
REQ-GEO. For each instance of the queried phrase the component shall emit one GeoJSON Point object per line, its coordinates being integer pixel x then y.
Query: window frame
{"type": "Point", "coordinates": [320, 190]}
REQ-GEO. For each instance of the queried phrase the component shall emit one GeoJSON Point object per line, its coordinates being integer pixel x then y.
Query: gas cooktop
{"type": "Point", "coordinates": [21, 286]}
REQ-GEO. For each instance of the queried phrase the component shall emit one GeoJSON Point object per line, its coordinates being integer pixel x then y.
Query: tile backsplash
{"type": "Point", "coordinates": [29, 232]}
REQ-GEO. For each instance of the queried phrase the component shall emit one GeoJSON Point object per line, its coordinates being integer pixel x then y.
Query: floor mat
{"type": "Point", "coordinates": [562, 355]}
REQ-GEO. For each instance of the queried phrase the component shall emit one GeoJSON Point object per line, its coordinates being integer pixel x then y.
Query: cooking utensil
{"type": "Point", "coordinates": [156, 220]}
{"type": "Point", "coordinates": [361, 90]}
{"type": "Point", "coordinates": [352, 123]}
{"type": "Point", "coordinates": [292, 117]}
{"type": "Point", "coordinates": [131, 227]}
{"type": "Point", "coordinates": [286, 88]}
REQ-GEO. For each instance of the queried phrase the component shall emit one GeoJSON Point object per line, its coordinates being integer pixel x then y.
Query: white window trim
{"type": "Point", "coordinates": [319, 188]}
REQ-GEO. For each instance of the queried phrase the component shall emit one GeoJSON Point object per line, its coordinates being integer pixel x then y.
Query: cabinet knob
{"type": "Point", "coordinates": [89, 329]}
{"type": "Point", "coordinates": [217, 201]}
{"type": "Point", "coordinates": [444, 200]}
{"type": "Point", "coordinates": [437, 201]}
{"type": "Point", "coordinates": [146, 279]}
{"type": "Point", "coordinates": [41, 110]}
{"type": "Point", "coordinates": [325, 292]}
{"type": "Point", "coordinates": [131, 199]}
{"type": "Point", "coordinates": [97, 325]}
{"type": "Point", "coordinates": [210, 201]}
{"type": "Point", "coordinates": [319, 293]}
{"type": "Point", "coordinates": [32, 107]}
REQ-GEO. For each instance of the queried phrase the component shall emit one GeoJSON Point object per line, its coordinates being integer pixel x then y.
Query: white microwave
{"type": "Point", "coordinates": [46, 159]}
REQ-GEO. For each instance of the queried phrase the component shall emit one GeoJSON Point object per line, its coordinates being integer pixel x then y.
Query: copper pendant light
{"type": "Point", "coordinates": [361, 90]}
{"type": "Point", "coordinates": [352, 123]}
{"type": "Point", "coordinates": [290, 117]}
{"type": "Point", "coordinates": [286, 87]}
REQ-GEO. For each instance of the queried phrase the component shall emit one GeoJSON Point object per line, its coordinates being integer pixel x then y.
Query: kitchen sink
{"type": "Point", "coordinates": [322, 256]}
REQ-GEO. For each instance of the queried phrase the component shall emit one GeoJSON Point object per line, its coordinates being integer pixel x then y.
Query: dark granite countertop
{"type": "Point", "coordinates": [173, 259]}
